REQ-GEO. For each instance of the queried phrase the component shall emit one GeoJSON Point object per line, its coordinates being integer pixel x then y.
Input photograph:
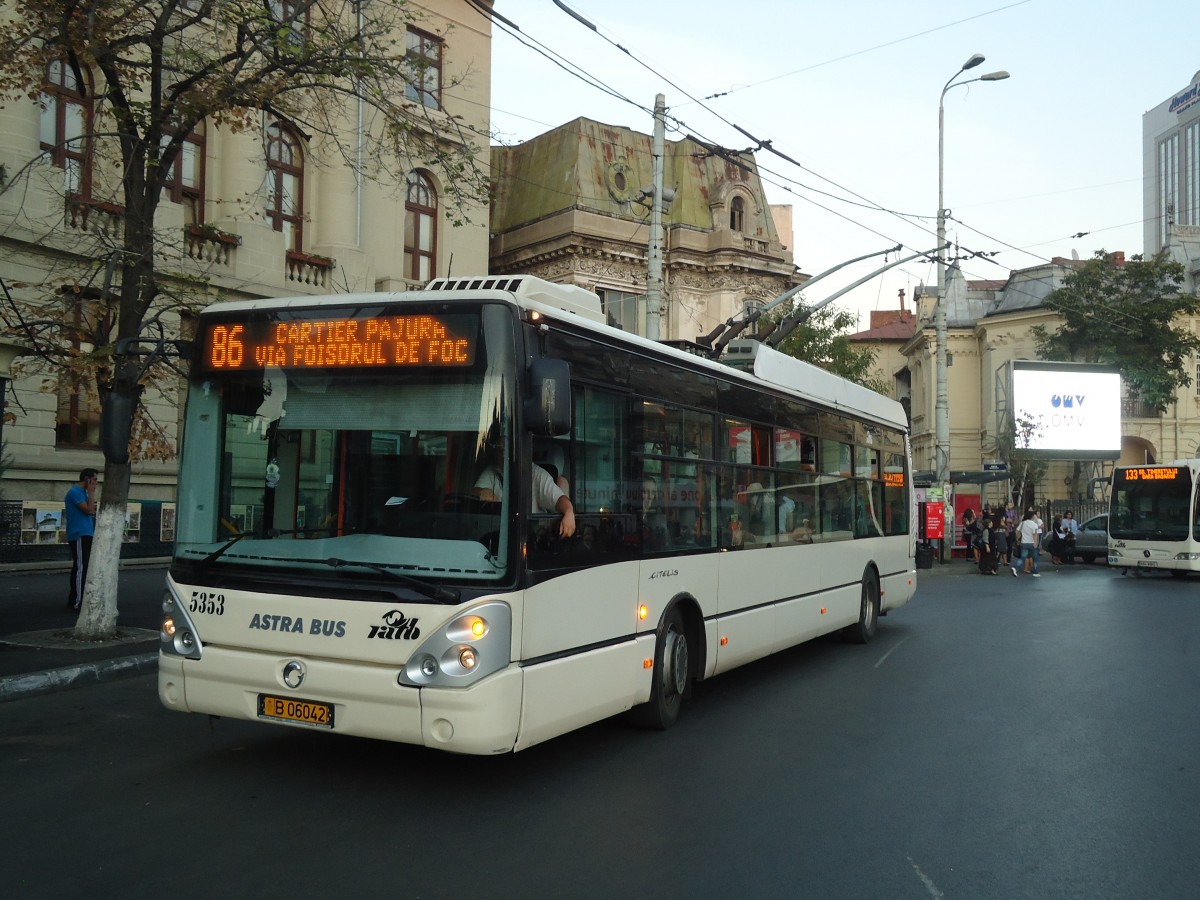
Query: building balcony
{"type": "Point", "coordinates": [208, 244]}
{"type": "Point", "coordinates": [309, 268]}
{"type": "Point", "coordinates": [1137, 408]}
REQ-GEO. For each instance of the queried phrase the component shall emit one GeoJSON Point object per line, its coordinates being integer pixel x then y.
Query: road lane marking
{"type": "Point", "coordinates": [927, 881]}
{"type": "Point", "coordinates": [883, 658]}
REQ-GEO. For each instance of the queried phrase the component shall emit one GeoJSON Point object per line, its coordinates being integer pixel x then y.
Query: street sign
{"type": "Point", "coordinates": [995, 467]}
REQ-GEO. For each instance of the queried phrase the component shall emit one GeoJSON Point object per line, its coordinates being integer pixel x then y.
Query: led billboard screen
{"type": "Point", "coordinates": [1075, 408]}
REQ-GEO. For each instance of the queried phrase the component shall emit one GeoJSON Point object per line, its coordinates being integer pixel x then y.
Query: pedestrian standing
{"type": "Point", "coordinates": [81, 526]}
{"type": "Point", "coordinates": [1028, 535]}
{"type": "Point", "coordinates": [971, 533]}
{"type": "Point", "coordinates": [1041, 532]}
{"type": "Point", "coordinates": [1058, 541]}
{"type": "Point", "coordinates": [987, 547]}
{"type": "Point", "coordinates": [1071, 530]}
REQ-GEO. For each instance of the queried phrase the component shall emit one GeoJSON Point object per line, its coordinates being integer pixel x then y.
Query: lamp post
{"type": "Point", "coordinates": [942, 409]}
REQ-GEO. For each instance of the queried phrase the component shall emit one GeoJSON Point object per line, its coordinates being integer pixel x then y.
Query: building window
{"type": "Point", "coordinates": [285, 185]}
{"type": "Point", "coordinates": [737, 214]}
{"type": "Point", "coordinates": [622, 309]}
{"type": "Point", "coordinates": [77, 423]}
{"type": "Point", "coordinates": [65, 126]}
{"type": "Point", "coordinates": [423, 53]}
{"type": "Point", "coordinates": [1190, 214]}
{"type": "Point", "coordinates": [420, 229]}
{"type": "Point", "coordinates": [288, 14]}
{"type": "Point", "coordinates": [184, 182]}
{"type": "Point", "coordinates": [1168, 185]}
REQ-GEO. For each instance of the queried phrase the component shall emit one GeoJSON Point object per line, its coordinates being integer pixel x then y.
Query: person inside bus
{"type": "Point", "coordinates": [551, 458]}
{"type": "Point", "coordinates": [548, 497]}
{"type": "Point", "coordinates": [795, 517]}
{"type": "Point", "coordinates": [650, 511]}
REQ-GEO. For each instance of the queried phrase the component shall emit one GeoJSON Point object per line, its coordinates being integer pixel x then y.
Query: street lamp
{"type": "Point", "coordinates": [942, 409]}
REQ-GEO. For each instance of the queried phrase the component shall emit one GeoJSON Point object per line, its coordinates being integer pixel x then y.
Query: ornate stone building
{"type": "Point", "coordinates": [570, 207]}
{"type": "Point", "coordinates": [266, 211]}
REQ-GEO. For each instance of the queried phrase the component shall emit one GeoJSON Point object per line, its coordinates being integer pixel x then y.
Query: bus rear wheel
{"type": "Point", "coordinates": [868, 614]}
{"type": "Point", "coordinates": [672, 674]}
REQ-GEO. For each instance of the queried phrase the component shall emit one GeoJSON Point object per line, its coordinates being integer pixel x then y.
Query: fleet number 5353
{"type": "Point", "coordinates": [204, 602]}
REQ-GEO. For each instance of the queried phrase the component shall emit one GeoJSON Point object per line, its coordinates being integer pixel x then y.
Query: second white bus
{"type": "Point", "coordinates": [1154, 517]}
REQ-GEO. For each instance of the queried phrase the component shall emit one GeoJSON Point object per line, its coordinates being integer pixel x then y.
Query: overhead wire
{"type": "Point", "coordinates": [782, 181]}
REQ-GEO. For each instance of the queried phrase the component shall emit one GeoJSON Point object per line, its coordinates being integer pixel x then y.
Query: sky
{"type": "Point", "coordinates": [849, 91]}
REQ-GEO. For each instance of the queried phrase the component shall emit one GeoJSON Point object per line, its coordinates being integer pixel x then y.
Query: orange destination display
{"type": "Point", "coordinates": [1161, 473]}
{"type": "Point", "coordinates": [375, 342]}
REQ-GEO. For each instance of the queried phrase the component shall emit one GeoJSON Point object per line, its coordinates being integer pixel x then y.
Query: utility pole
{"type": "Point", "coordinates": [654, 257]}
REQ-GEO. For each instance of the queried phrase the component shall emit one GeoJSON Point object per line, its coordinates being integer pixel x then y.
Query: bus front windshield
{"type": "Point", "coordinates": [1152, 504]}
{"type": "Point", "coordinates": [369, 474]}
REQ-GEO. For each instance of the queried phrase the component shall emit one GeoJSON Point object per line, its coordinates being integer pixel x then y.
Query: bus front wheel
{"type": "Point", "coordinates": [671, 676]}
{"type": "Point", "coordinates": [868, 615]}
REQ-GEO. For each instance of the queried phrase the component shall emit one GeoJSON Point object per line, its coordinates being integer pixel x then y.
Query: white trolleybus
{"type": "Point", "coordinates": [359, 547]}
{"type": "Point", "coordinates": [1154, 518]}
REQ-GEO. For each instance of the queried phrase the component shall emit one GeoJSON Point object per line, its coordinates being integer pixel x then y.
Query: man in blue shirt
{"type": "Point", "coordinates": [81, 525]}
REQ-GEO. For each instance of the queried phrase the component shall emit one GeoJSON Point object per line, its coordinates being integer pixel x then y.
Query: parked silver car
{"type": "Point", "coordinates": [1092, 541]}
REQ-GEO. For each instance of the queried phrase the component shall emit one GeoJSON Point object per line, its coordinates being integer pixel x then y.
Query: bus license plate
{"type": "Point", "coordinates": [1147, 564]}
{"type": "Point", "coordinates": [289, 709]}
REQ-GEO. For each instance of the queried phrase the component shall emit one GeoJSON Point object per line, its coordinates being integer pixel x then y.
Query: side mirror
{"type": "Point", "coordinates": [548, 407]}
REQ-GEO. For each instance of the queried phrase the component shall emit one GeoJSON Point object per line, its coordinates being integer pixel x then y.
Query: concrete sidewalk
{"type": "Point", "coordinates": [39, 651]}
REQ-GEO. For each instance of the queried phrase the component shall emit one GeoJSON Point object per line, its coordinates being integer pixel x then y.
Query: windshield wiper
{"type": "Point", "coordinates": [216, 554]}
{"type": "Point", "coordinates": [272, 533]}
{"type": "Point", "coordinates": [426, 588]}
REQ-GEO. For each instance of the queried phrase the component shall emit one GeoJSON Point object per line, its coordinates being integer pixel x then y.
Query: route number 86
{"type": "Point", "coordinates": [226, 350]}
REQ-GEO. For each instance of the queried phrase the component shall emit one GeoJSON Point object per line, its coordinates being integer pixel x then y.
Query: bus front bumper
{"type": "Point", "coordinates": [364, 700]}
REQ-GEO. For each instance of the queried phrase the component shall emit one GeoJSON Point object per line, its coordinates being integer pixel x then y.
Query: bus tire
{"type": "Point", "coordinates": [672, 676]}
{"type": "Point", "coordinates": [868, 614]}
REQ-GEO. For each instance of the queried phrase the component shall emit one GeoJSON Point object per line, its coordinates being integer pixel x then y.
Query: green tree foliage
{"type": "Point", "coordinates": [1026, 466]}
{"type": "Point", "coordinates": [1127, 316]}
{"type": "Point", "coordinates": [824, 341]}
{"type": "Point", "coordinates": [154, 70]}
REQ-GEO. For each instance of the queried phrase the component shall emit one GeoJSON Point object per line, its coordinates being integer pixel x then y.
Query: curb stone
{"type": "Point", "coordinates": [16, 687]}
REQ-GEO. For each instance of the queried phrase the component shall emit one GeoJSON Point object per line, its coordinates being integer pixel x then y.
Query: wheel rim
{"type": "Point", "coordinates": [675, 660]}
{"type": "Point", "coordinates": [869, 605]}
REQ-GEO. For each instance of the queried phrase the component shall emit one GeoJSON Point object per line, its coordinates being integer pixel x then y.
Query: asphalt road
{"type": "Point", "coordinates": [1001, 737]}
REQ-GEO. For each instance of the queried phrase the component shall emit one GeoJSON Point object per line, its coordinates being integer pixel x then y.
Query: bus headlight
{"type": "Point", "coordinates": [469, 647]}
{"type": "Point", "coordinates": [177, 634]}
{"type": "Point", "coordinates": [1187, 556]}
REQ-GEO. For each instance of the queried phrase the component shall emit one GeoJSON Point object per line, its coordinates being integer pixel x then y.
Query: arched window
{"type": "Point", "coordinates": [66, 125]}
{"type": "Point", "coordinates": [420, 229]}
{"type": "Point", "coordinates": [285, 184]}
{"type": "Point", "coordinates": [737, 214]}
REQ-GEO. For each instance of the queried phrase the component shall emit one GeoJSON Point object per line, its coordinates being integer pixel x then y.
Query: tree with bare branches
{"type": "Point", "coordinates": [151, 72]}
